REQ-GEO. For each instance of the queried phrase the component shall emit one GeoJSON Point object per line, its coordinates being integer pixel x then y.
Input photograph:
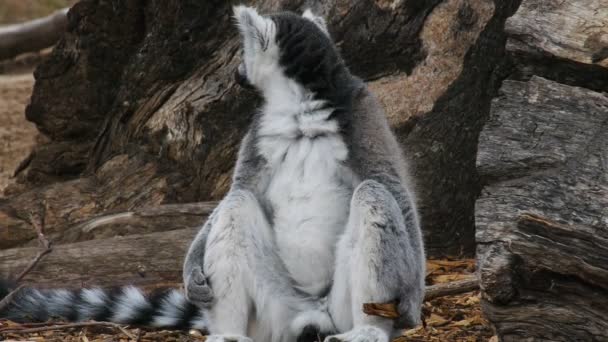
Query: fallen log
{"type": "Point", "coordinates": [542, 222]}
{"type": "Point", "coordinates": [572, 30]}
{"type": "Point", "coordinates": [32, 35]}
{"type": "Point", "coordinates": [70, 209]}
{"type": "Point", "coordinates": [165, 217]}
{"type": "Point", "coordinates": [147, 260]}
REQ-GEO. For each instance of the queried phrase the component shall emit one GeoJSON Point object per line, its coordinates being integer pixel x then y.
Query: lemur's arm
{"type": "Point", "coordinates": [248, 175]}
{"type": "Point", "coordinates": [195, 282]}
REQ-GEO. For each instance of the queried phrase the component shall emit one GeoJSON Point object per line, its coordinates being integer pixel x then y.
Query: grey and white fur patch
{"type": "Point", "coordinates": [126, 305]}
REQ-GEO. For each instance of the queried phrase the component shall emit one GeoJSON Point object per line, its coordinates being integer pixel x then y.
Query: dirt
{"type": "Point", "coordinates": [17, 135]}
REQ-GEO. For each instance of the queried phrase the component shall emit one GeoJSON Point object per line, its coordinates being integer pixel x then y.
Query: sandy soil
{"type": "Point", "coordinates": [17, 135]}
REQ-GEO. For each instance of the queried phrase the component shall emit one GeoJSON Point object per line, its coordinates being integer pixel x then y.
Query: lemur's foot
{"type": "Point", "coordinates": [366, 333]}
{"type": "Point", "coordinates": [227, 338]}
{"type": "Point", "coordinates": [198, 290]}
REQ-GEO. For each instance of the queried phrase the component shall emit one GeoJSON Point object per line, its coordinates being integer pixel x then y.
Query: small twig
{"type": "Point", "coordinates": [39, 226]}
{"type": "Point", "coordinates": [32, 264]}
{"type": "Point", "coordinates": [46, 244]}
{"type": "Point", "coordinates": [124, 331]}
{"type": "Point", "coordinates": [68, 326]}
{"type": "Point", "coordinates": [7, 300]}
{"type": "Point", "coordinates": [452, 288]}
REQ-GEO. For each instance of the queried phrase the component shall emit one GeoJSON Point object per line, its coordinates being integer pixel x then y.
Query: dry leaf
{"type": "Point", "coordinates": [473, 300]}
{"type": "Point", "coordinates": [436, 321]}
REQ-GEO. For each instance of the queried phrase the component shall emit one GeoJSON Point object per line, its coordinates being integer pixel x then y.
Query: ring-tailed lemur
{"type": "Point", "coordinates": [320, 217]}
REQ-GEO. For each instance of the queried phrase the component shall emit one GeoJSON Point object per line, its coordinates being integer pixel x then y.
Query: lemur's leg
{"type": "Point", "coordinates": [246, 275]}
{"type": "Point", "coordinates": [379, 259]}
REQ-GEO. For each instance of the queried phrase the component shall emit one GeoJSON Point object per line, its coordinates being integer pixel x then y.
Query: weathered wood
{"type": "Point", "coordinates": [136, 221]}
{"type": "Point", "coordinates": [153, 81]}
{"type": "Point", "coordinates": [572, 30]}
{"type": "Point", "coordinates": [166, 217]}
{"type": "Point", "coordinates": [147, 260]}
{"type": "Point", "coordinates": [542, 218]}
{"type": "Point", "coordinates": [564, 41]}
{"type": "Point", "coordinates": [32, 35]}
{"type": "Point", "coordinates": [65, 208]}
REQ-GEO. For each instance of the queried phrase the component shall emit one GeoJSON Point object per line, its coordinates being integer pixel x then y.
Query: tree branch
{"type": "Point", "coordinates": [33, 35]}
{"type": "Point", "coordinates": [451, 288]}
{"type": "Point", "coordinates": [389, 310]}
{"type": "Point", "coordinates": [46, 244]}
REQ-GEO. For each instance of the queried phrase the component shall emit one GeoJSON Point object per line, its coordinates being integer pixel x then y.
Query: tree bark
{"type": "Point", "coordinates": [33, 35]}
{"type": "Point", "coordinates": [146, 247]}
{"type": "Point", "coordinates": [151, 81]}
{"type": "Point", "coordinates": [542, 218]}
{"type": "Point", "coordinates": [160, 218]}
{"type": "Point", "coordinates": [542, 222]}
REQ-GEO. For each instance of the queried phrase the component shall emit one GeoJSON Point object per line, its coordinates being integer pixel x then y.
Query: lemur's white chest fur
{"type": "Point", "coordinates": [310, 188]}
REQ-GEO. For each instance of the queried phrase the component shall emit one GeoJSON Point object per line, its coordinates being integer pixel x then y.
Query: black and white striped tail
{"type": "Point", "coordinates": [126, 305]}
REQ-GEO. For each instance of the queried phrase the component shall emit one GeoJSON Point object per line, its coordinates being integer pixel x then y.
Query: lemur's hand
{"type": "Point", "coordinates": [198, 290]}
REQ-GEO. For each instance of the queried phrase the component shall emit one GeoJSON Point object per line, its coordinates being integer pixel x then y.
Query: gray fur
{"type": "Point", "coordinates": [383, 221]}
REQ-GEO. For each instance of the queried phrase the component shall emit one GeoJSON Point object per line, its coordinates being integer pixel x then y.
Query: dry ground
{"type": "Point", "coordinates": [17, 135]}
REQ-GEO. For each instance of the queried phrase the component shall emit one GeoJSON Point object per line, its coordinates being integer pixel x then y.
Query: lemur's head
{"type": "Point", "coordinates": [288, 54]}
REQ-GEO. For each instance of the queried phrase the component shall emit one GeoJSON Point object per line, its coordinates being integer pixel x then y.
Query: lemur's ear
{"type": "Point", "coordinates": [319, 21]}
{"type": "Point", "coordinates": [253, 27]}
